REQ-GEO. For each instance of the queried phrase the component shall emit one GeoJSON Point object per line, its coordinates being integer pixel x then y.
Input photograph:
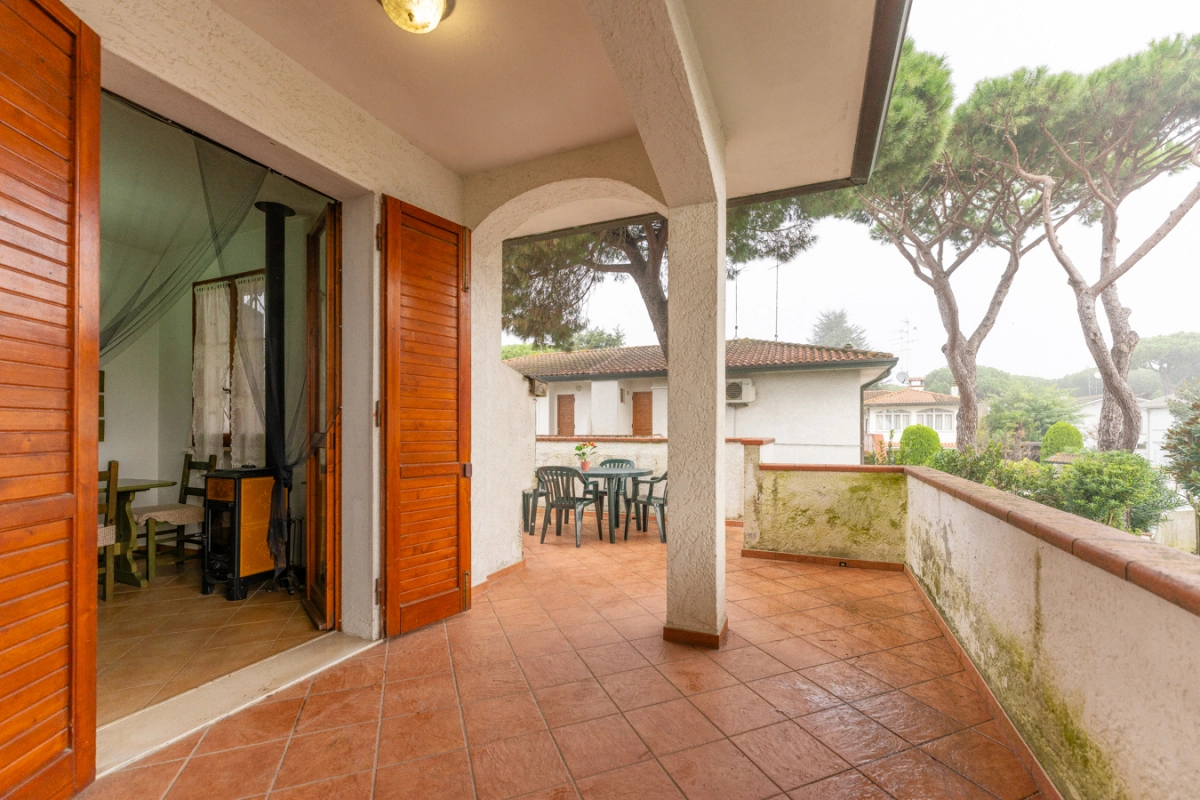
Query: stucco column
{"type": "Point", "coordinates": [696, 418]}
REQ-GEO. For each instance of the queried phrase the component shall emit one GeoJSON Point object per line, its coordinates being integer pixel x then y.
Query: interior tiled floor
{"type": "Point", "coordinates": [157, 642]}
{"type": "Point", "coordinates": [557, 684]}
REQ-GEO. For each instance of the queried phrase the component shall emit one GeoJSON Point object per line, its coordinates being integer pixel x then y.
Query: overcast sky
{"type": "Point", "coordinates": [1038, 331]}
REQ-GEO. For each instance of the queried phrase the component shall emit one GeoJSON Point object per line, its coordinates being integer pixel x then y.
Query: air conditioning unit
{"type": "Point", "coordinates": [739, 393]}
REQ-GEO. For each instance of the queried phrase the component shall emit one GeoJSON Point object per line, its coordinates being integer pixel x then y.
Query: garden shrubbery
{"type": "Point", "coordinates": [918, 444]}
{"type": "Point", "coordinates": [1062, 437]}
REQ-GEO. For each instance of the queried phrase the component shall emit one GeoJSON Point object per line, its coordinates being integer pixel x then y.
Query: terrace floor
{"type": "Point", "coordinates": [836, 683]}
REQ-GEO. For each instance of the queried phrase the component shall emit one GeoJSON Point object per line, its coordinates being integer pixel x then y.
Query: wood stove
{"type": "Point", "coordinates": [237, 510]}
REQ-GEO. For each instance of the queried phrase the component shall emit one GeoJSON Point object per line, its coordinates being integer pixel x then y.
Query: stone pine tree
{"type": "Point", "coordinates": [546, 283]}
{"type": "Point", "coordinates": [939, 202]}
{"type": "Point", "coordinates": [834, 329]}
{"type": "Point", "coordinates": [1113, 132]}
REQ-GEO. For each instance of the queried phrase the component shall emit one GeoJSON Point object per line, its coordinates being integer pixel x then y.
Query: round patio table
{"type": "Point", "coordinates": [612, 476]}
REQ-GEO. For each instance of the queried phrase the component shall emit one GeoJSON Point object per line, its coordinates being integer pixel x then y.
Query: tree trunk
{"type": "Point", "coordinates": [655, 299]}
{"type": "Point", "coordinates": [1117, 431]}
{"type": "Point", "coordinates": [1120, 416]}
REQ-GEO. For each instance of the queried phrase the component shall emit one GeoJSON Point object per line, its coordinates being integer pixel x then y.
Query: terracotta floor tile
{"type": "Point", "coordinates": [871, 609]}
{"type": "Point", "coordinates": [420, 735]}
{"type": "Point", "coordinates": [345, 787]}
{"type": "Point", "coordinates": [481, 653]}
{"type": "Point", "coordinates": [297, 691]}
{"type": "Point", "coordinates": [736, 709]}
{"type": "Point", "coordinates": [407, 664]}
{"type": "Point", "coordinates": [670, 727]}
{"type": "Point", "coordinates": [334, 709]}
{"type": "Point", "coordinates": [487, 682]}
{"type": "Point", "coordinates": [638, 688]}
{"type": "Point", "coordinates": [419, 694]}
{"type": "Point", "coordinates": [789, 755]}
{"type": "Point", "coordinates": [527, 623]}
{"type": "Point", "coordinates": [696, 675]}
{"type": "Point", "coordinates": [718, 771]}
{"type": "Point", "coordinates": [952, 699]}
{"type": "Point", "coordinates": [350, 675]}
{"type": "Point", "coordinates": [880, 635]}
{"type": "Point", "coordinates": [538, 643]}
{"type": "Point", "coordinates": [446, 777]}
{"type": "Point", "coordinates": [637, 782]}
{"type": "Point", "coordinates": [919, 626]}
{"type": "Point", "coordinates": [891, 669]}
{"type": "Point", "coordinates": [799, 623]}
{"type": "Point", "coordinates": [574, 616]}
{"type": "Point", "coordinates": [141, 782]}
{"type": "Point", "coordinates": [840, 643]}
{"type": "Point", "coordinates": [638, 627]}
{"type": "Point", "coordinates": [765, 606]}
{"type": "Point", "coordinates": [172, 752]}
{"type": "Point", "coordinates": [845, 681]}
{"type": "Point", "coordinates": [757, 631]}
{"type": "Point", "coordinates": [328, 754]}
{"type": "Point", "coordinates": [554, 669]}
{"type": "Point", "coordinates": [594, 634]}
{"type": "Point", "coordinates": [239, 772]}
{"type": "Point", "coordinates": [984, 762]}
{"type": "Point", "coordinates": [424, 638]}
{"type": "Point", "coordinates": [912, 775]}
{"type": "Point", "coordinates": [658, 651]}
{"type": "Point", "coordinates": [749, 663]}
{"type": "Point", "coordinates": [599, 745]}
{"type": "Point", "coordinates": [796, 653]}
{"type": "Point", "coordinates": [564, 792]}
{"type": "Point", "coordinates": [609, 658]}
{"type": "Point", "coordinates": [933, 655]}
{"type": "Point", "coordinates": [259, 723]}
{"type": "Point", "coordinates": [515, 606]}
{"type": "Point", "coordinates": [517, 766]}
{"type": "Point", "coordinates": [847, 786]}
{"type": "Point", "coordinates": [575, 702]}
{"type": "Point", "coordinates": [907, 717]}
{"type": "Point", "coordinates": [794, 695]}
{"type": "Point", "coordinates": [502, 717]}
{"type": "Point", "coordinates": [622, 609]}
{"type": "Point", "coordinates": [852, 735]}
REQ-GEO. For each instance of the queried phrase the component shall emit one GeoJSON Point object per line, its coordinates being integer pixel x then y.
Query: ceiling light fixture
{"type": "Point", "coordinates": [418, 16]}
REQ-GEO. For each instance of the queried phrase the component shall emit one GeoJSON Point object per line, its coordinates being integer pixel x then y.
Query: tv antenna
{"type": "Point", "coordinates": [905, 337]}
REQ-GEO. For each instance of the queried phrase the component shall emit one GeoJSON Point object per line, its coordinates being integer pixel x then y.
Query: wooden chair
{"type": "Point", "coordinates": [562, 494]}
{"type": "Point", "coordinates": [643, 503]}
{"type": "Point", "coordinates": [176, 515]}
{"type": "Point", "coordinates": [106, 529]}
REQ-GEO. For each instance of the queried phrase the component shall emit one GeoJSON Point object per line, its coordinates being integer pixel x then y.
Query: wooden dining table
{"type": "Point", "coordinates": [126, 567]}
{"type": "Point", "coordinates": [613, 477]}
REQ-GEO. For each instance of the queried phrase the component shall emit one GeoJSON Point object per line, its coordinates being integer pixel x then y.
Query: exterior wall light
{"type": "Point", "coordinates": [418, 16]}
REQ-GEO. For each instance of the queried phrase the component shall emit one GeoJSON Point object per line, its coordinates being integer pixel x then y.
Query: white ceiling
{"type": "Point", "coordinates": [504, 81]}
{"type": "Point", "coordinates": [498, 83]}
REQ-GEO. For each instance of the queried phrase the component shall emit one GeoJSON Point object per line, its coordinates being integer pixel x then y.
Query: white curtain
{"type": "Point", "coordinates": [210, 370]}
{"type": "Point", "coordinates": [249, 370]}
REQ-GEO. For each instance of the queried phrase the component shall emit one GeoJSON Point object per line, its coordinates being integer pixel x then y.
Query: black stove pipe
{"type": "Point", "coordinates": [274, 396]}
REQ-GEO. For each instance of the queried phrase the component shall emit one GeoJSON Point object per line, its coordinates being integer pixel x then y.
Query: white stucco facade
{"type": "Point", "coordinates": [813, 415]}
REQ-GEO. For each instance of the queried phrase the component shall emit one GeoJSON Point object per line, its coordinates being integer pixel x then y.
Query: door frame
{"type": "Point", "coordinates": [390, 259]}
{"type": "Point", "coordinates": [330, 609]}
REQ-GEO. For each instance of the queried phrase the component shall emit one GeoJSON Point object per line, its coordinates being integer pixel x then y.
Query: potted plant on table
{"type": "Point", "coordinates": [583, 451]}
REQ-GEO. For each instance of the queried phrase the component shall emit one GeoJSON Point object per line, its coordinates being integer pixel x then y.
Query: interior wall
{"type": "Point", "coordinates": [131, 408]}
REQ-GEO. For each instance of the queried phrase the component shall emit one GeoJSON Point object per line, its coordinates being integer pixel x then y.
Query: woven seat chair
{"type": "Point", "coordinates": [177, 516]}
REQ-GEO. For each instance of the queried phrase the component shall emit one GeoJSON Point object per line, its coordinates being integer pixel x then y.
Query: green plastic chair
{"type": "Point", "coordinates": [622, 494]}
{"type": "Point", "coordinates": [567, 490]}
{"type": "Point", "coordinates": [642, 504]}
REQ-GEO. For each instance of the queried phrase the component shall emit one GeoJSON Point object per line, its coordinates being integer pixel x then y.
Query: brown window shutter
{"type": "Point", "coordinates": [566, 415]}
{"type": "Point", "coordinates": [643, 413]}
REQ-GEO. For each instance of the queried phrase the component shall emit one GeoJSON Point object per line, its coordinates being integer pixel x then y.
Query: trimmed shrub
{"type": "Point", "coordinates": [918, 444]}
{"type": "Point", "coordinates": [1062, 437]}
{"type": "Point", "coordinates": [1117, 488]}
{"type": "Point", "coordinates": [978, 467]}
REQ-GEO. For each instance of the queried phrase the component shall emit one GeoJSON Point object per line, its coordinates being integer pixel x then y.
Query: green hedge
{"type": "Point", "coordinates": [1062, 437]}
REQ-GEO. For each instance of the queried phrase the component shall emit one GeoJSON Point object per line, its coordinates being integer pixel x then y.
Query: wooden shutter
{"type": "Point", "coordinates": [49, 401]}
{"type": "Point", "coordinates": [565, 425]}
{"type": "Point", "coordinates": [427, 417]}
{"type": "Point", "coordinates": [643, 413]}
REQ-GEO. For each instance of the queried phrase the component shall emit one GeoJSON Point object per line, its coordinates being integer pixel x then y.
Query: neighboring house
{"type": "Point", "coordinates": [1156, 418]}
{"type": "Point", "coordinates": [888, 413]}
{"type": "Point", "coordinates": [805, 397]}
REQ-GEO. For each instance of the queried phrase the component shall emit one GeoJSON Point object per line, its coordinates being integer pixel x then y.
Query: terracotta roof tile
{"type": "Point", "coordinates": [739, 354]}
{"type": "Point", "coordinates": [910, 397]}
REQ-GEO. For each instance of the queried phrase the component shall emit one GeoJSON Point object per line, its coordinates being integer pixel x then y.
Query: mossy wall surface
{"type": "Point", "coordinates": [858, 515]}
{"type": "Point", "coordinates": [1087, 666]}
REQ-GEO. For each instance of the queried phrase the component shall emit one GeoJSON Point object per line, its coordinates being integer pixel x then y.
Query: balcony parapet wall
{"type": "Point", "coordinates": [1086, 636]}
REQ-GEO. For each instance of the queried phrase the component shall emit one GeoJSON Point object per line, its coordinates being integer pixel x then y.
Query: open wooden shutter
{"type": "Point", "coordinates": [565, 408]}
{"type": "Point", "coordinates": [49, 402]}
{"type": "Point", "coordinates": [427, 417]}
{"type": "Point", "coordinates": [643, 413]}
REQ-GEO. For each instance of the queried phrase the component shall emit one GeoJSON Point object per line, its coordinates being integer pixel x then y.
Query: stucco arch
{"type": "Point", "coordinates": [502, 410]}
